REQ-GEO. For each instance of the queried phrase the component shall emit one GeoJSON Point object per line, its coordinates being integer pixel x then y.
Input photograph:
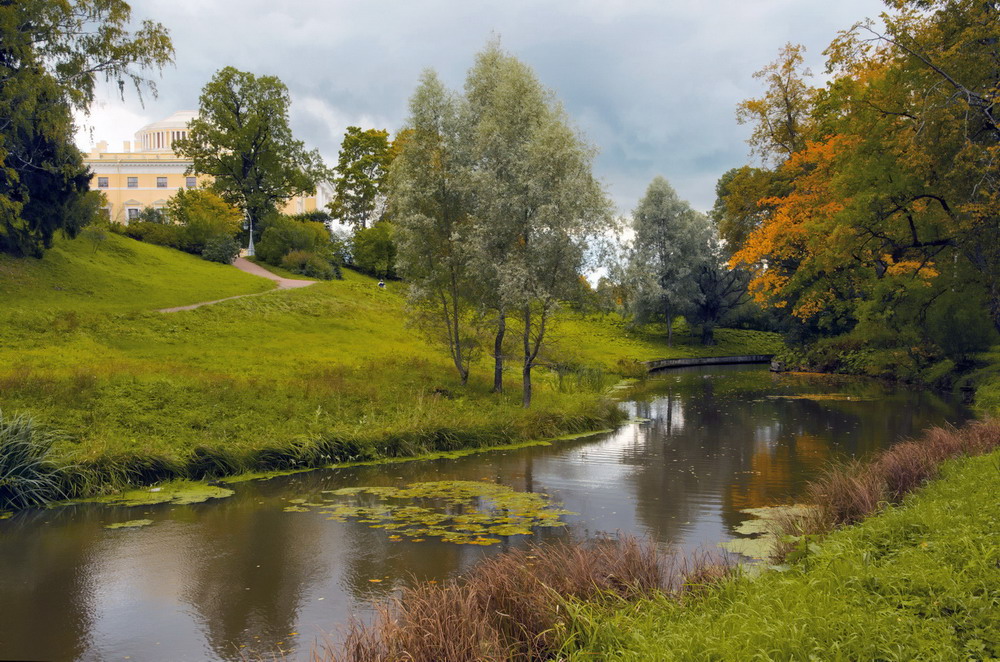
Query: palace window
{"type": "Point", "coordinates": [161, 182]}
{"type": "Point", "coordinates": [133, 182]}
{"type": "Point", "coordinates": [102, 182]}
{"type": "Point", "coordinates": [191, 182]}
{"type": "Point", "coordinates": [133, 213]}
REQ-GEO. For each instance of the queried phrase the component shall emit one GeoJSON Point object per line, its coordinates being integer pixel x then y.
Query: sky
{"type": "Point", "coordinates": [653, 84]}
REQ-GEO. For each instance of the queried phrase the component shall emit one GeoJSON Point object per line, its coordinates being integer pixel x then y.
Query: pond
{"type": "Point", "coordinates": [285, 561]}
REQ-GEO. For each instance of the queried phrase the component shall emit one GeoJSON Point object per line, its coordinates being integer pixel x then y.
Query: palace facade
{"type": "Point", "coordinates": [147, 172]}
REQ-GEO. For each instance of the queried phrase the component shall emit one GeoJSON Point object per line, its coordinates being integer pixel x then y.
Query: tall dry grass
{"type": "Point", "coordinates": [850, 492]}
{"type": "Point", "coordinates": [513, 607]}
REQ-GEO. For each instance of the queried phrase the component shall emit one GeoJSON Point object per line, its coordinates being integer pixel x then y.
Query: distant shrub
{"type": "Point", "coordinates": [284, 235]}
{"type": "Point", "coordinates": [310, 264]}
{"type": "Point", "coordinates": [222, 249]}
{"type": "Point", "coordinates": [152, 215]}
{"type": "Point", "coordinates": [373, 250]}
{"type": "Point", "coordinates": [203, 216]}
{"type": "Point", "coordinates": [154, 233]}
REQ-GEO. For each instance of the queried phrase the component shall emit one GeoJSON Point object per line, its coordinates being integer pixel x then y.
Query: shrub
{"type": "Point", "coordinates": [155, 233]}
{"type": "Point", "coordinates": [310, 264]}
{"type": "Point", "coordinates": [203, 216]}
{"type": "Point", "coordinates": [222, 249]}
{"type": "Point", "coordinates": [373, 250]}
{"type": "Point", "coordinates": [284, 235]}
{"type": "Point", "coordinates": [28, 476]}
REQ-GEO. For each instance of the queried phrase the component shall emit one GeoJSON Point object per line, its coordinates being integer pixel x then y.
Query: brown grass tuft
{"type": "Point", "coordinates": [514, 606]}
{"type": "Point", "coordinates": [850, 492]}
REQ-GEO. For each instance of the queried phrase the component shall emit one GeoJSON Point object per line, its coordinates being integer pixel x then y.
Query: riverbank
{"type": "Point", "coordinates": [283, 380]}
{"type": "Point", "coordinates": [916, 581]}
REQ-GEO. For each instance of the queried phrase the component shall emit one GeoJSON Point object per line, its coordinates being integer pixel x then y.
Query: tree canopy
{"type": "Point", "coordinates": [892, 197]}
{"type": "Point", "coordinates": [360, 176]}
{"type": "Point", "coordinates": [495, 200]}
{"type": "Point", "coordinates": [52, 53]}
{"type": "Point", "coordinates": [242, 138]}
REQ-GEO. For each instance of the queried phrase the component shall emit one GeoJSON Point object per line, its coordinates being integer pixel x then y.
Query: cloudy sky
{"type": "Point", "coordinates": [652, 83]}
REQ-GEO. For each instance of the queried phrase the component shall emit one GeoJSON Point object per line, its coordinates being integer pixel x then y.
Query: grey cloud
{"type": "Point", "coordinates": [653, 85]}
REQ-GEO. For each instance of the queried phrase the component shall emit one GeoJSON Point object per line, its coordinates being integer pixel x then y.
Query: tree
{"type": "Point", "coordinates": [432, 204]}
{"type": "Point", "coordinates": [361, 173]}
{"type": "Point", "coordinates": [203, 217]}
{"type": "Point", "coordinates": [536, 199]}
{"type": "Point", "coordinates": [781, 117]}
{"type": "Point", "coordinates": [51, 55]}
{"type": "Point", "coordinates": [721, 289]}
{"type": "Point", "coordinates": [242, 139]}
{"type": "Point", "coordinates": [671, 244]}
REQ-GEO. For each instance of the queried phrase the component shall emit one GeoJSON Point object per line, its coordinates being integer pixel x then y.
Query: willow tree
{"type": "Point", "coordinates": [431, 202]}
{"type": "Point", "coordinates": [537, 201]}
{"type": "Point", "coordinates": [671, 244]}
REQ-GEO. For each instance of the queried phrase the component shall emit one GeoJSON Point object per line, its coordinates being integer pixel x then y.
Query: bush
{"type": "Point", "coordinates": [374, 252]}
{"type": "Point", "coordinates": [223, 249]}
{"type": "Point", "coordinates": [155, 233]}
{"type": "Point", "coordinates": [284, 235]}
{"type": "Point", "coordinates": [203, 216]}
{"type": "Point", "coordinates": [28, 476]}
{"type": "Point", "coordinates": [310, 264]}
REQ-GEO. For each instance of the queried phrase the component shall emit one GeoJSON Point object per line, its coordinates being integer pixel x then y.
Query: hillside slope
{"type": "Point", "coordinates": [332, 371]}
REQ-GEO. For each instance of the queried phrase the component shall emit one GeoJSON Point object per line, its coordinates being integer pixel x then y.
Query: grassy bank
{"type": "Point", "coordinates": [312, 376]}
{"type": "Point", "coordinates": [920, 580]}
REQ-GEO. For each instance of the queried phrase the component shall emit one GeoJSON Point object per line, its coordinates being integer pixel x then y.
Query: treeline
{"type": "Point", "coordinates": [874, 220]}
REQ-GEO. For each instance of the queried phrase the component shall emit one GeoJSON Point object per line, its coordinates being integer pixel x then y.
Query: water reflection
{"type": "Point", "coordinates": [211, 580]}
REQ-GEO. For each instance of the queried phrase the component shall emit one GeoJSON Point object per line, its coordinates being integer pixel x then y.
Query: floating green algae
{"type": "Point", "coordinates": [760, 539]}
{"type": "Point", "coordinates": [131, 524]}
{"type": "Point", "coordinates": [462, 511]}
{"type": "Point", "coordinates": [179, 493]}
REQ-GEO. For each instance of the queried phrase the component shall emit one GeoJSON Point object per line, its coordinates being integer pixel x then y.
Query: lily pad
{"type": "Point", "coordinates": [761, 538]}
{"type": "Point", "coordinates": [131, 524]}
{"type": "Point", "coordinates": [179, 493]}
{"type": "Point", "coordinates": [460, 512]}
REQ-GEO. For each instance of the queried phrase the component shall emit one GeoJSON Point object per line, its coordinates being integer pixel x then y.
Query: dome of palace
{"type": "Point", "coordinates": [160, 136]}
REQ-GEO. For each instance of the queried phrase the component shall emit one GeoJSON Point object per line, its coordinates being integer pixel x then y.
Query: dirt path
{"type": "Point", "coordinates": [251, 268]}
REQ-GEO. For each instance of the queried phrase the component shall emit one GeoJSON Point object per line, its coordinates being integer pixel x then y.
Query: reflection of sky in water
{"type": "Point", "coordinates": [204, 580]}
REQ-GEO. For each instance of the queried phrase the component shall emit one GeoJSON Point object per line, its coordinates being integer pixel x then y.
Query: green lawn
{"type": "Point", "coordinates": [919, 582]}
{"type": "Point", "coordinates": [286, 378]}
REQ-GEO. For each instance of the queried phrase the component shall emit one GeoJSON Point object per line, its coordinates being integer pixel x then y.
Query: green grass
{"type": "Point", "coordinates": [331, 372]}
{"type": "Point", "coordinates": [121, 275]}
{"type": "Point", "coordinates": [918, 582]}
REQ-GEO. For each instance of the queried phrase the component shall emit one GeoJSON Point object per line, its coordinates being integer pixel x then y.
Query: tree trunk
{"type": "Point", "coordinates": [670, 328]}
{"type": "Point", "coordinates": [526, 368]}
{"type": "Point", "coordinates": [707, 334]}
{"type": "Point", "coordinates": [498, 354]}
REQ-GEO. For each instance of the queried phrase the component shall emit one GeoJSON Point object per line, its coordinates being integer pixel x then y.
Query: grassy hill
{"type": "Point", "coordinates": [120, 275]}
{"type": "Point", "coordinates": [325, 373]}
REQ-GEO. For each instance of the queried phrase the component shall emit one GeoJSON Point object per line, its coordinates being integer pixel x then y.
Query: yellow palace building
{"type": "Point", "coordinates": [147, 172]}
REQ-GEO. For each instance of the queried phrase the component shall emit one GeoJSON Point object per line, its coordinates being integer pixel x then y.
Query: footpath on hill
{"type": "Point", "coordinates": [254, 269]}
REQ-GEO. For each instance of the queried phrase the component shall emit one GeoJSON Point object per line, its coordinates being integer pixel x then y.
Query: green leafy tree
{"type": "Point", "coordinates": [203, 216]}
{"type": "Point", "coordinates": [536, 198]}
{"type": "Point", "coordinates": [241, 138]}
{"type": "Point", "coordinates": [672, 242]}
{"type": "Point", "coordinates": [52, 53]}
{"type": "Point", "coordinates": [360, 177]}
{"type": "Point", "coordinates": [373, 250]}
{"type": "Point", "coordinates": [432, 207]}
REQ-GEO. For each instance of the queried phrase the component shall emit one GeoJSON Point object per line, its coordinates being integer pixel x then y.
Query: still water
{"type": "Point", "coordinates": [219, 579]}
